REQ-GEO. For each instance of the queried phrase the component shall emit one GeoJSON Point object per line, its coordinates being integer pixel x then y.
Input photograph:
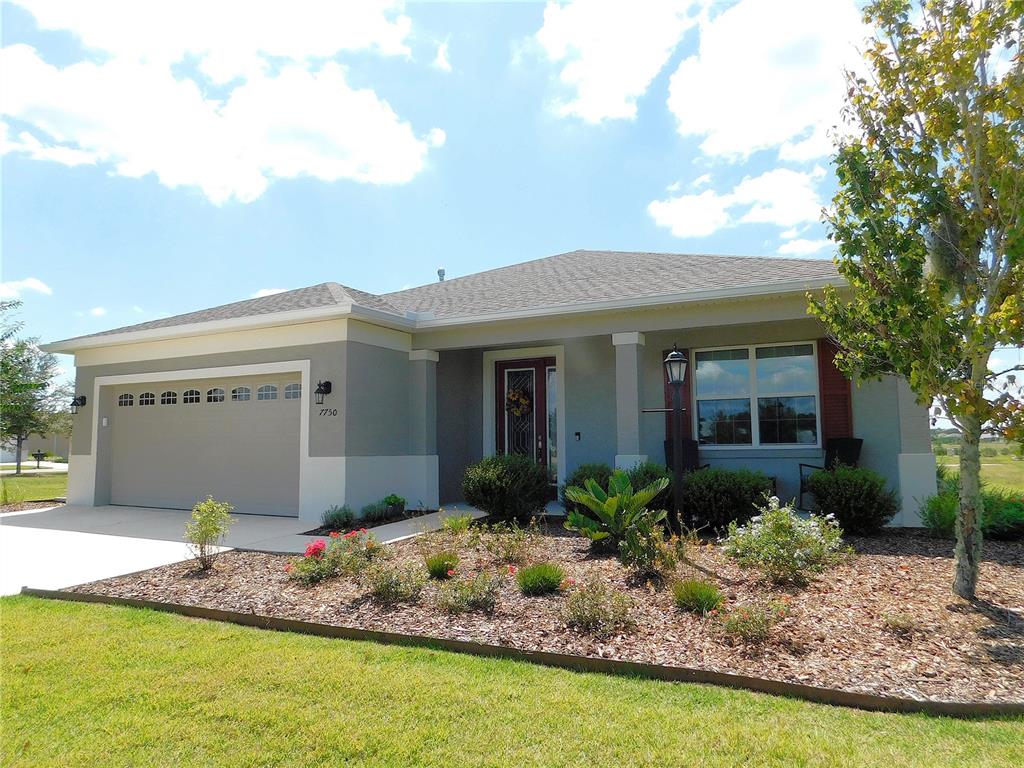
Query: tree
{"type": "Point", "coordinates": [928, 222]}
{"type": "Point", "coordinates": [31, 400]}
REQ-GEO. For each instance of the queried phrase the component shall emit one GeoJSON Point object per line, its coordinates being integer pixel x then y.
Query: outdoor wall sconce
{"type": "Point", "coordinates": [322, 388]}
{"type": "Point", "coordinates": [77, 402]}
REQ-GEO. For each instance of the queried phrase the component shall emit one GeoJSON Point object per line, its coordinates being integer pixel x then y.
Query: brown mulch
{"type": "Point", "coordinates": [21, 506]}
{"type": "Point", "coordinates": [835, 634]}
{"type": "Point", "coordinates": [409, 514]}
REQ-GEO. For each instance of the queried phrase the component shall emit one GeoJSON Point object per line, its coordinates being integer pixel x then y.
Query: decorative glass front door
{"type": "Point", "coordinates": [526, 410]}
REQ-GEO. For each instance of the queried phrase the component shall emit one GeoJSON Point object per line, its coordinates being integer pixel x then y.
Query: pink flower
{"type": "Point", "coordinates": [451, 571]}
{"type": "Point", "coordinates": [511, 570]}
{"type": "Point", "coordinates": [288, 568]}
{"type": "Point", "coordinates": [316, 549]}
{"type": "Point", "coordinates": [334, 534]}
{"type": "Point", "coordinates": [362, 530]}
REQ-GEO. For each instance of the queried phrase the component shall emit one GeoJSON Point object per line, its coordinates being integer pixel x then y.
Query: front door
{"type": "Point", "coordinates": [526, 413]}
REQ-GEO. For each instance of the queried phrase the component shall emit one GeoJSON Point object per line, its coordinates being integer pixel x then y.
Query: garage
{"type": "Point", "coordinates": [173, 443]}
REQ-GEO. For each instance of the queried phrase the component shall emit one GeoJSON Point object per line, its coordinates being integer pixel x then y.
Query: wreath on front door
{"type": "Point", "coordinates": [518, 403]}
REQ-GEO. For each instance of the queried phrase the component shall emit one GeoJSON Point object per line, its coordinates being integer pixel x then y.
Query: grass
{"type": "Point", "coordinates": [36, 487]}
{"type": "Point", "coordinates": [995, 470]}
{"type": "Point", "coordinates": [98, 685]}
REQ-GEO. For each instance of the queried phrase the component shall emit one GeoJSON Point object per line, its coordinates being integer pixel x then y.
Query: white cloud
{"type": "Point", "coordinates": [138, 310]}
{"type": "Point", "coordinates": [12, 289]}
{"type": "Point", "coordinates": [768, 76]}
{"type": "Point", "coordinates": [131, 112]}
{"type": "Point", "coordinates": [700, 181]}
{"type": "Point", "coordinates": [267, 292]}
{"type": "Point", "coordinates": [781, 196]}
{"type": "Point", "coordinates": [98, 311]}
{"type": "Point", "coordinates": [610, 52]}
{"type": "Point", "coordinates": [441, 61]}
{"type": "Point", "coordinates": [790, 233]}
{"type": "Point", "coordinates": [803, 247]}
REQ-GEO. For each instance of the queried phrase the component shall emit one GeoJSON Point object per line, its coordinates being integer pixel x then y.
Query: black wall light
{"type": "Point", "coordinates": [322, 388]}
{"type": "Point", "coordinates": [77, 402]}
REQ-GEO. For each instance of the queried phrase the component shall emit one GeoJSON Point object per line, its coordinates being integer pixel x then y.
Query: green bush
{"type": "Point", "coordinates": [696, 596]}
{"type": "Point", "coordinates": [599, 472]}
{"type": "Point", "coordinates": [646, 550]}
{"type": "Point", "coordinates": [395, 503]}
{"type": "Point", "coordinates": [1002, 514]}
{"type": "Point", "coordinates": [1005, 521]}
{"type": "Point", "coordinates": [477, 593]}
{"type": "Point", "coordinates": [714, 497]}
{"type": "Point", "coordinates": [338, 518]}
{"type": "Point", "coordinates": [349, 554]}
{"type": "Point", "coordinates": [598, 610]}
{"type": "Point", "coordinates": [938, 513]}
{"type": "Point", "coordinates": [753, 623]}
{"type": "Point", "coordinates": [442, 565]}
{"type": "Point", "coordinates": [989, 453]}
{"type": "Point", "coordinates": [540, 579]}
{"type": "Point", "coordinates": [456, 525]}
{"type": "Point", "coordinates": [609, 515]}
{"type": "Point", "coordinates": [208, 527]}
{"type": "Point", "coordinates": [648, 473]}
{"type": "Point", "coordinates": [857, 497]}
{"type": "Point", "coordinates": [390, 584]}
{"type": "Point", "coordinates": [375, 512]}
{"type": "Point", "coordinates": [507, 487]}
{"type": "Point", "coordinates": [785, 546]}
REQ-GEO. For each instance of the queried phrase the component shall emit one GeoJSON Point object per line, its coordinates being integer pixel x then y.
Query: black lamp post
{"type": "Point", "coordinates": [675, 370]}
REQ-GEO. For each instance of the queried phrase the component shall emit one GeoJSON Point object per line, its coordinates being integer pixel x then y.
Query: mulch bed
{"type": "Point", "coordinates": [835, 634]}
{"type": "Point", "coordinates": [21, 506]}
{"type": "Point", "coordinates": [408, 514]}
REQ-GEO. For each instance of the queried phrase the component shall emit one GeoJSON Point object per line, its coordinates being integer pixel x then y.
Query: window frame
{"type": "Point", "coordinates": [173, 399]}
{"type": "Point", "coordinates": [287, 389]}
{"type": "Point", "coordinates": [150, 397]}
{"type": "Point", "coordinates": [270, 387]}
{"type": "Point", "coordinates": [196, 396]}
{"type": "Point", "coordinates": [125, 400]}
{"type": "Point", "coordinates": [224, 395]}
{"type": "Point", "coordinates": [232, 396]}
{"type": "Point", "coordinates": [755, 421]}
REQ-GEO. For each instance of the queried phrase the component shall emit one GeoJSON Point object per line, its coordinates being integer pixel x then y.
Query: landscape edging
{"type": "Point", "coordinates": [836, 697]}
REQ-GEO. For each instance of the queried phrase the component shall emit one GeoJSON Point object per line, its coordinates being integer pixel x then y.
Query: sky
{"type": "Point", "coordinates": [163, 157]}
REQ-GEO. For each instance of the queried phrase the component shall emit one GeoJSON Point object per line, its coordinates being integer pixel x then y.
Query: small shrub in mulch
{"type": "Point", "coordinates": [457, 525]}
{"type": "Point", "coordinates": [1002, 517]}
{"type": "Point", "coordinates": [510, 543]}
{"type": "Point", "coordinates": [857, 497]}
{"type": "Point", "coordinates": [207, 529]}
{"type": "Point", "coordinates": [649, 552]}
{"type": "Point", "coordinates": [442, 565]}
{"type": "Point", "coordinates": [337, 518]}
{"type": "Point", "coordinates": [540, 579]}
{"type": "Point", "coordinates": [696, 596]}
{"type": "Point", "coordinates": [753, 623]}
{"type": "Point", "coordinates": [901, 623]}
{"type": "Point", "coordinates": [476, 593]}
{"type": "Point", "coordinates": [598, 610]}
{"type": "Point", "coordinates": [507, 487]}
{"type": "Point", "coordinates": [346, 554]}
{"type": "Point", "coordinates": [391, 584]}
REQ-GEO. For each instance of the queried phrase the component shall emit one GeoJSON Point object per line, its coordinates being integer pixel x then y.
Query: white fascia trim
{"type": "Point", "coordinates": [424, 354]}
{"type": "Point", "coordinates": [493, 356]}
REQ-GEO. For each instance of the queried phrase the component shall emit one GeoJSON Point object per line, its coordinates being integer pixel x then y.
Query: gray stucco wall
{"type": "Point", "coordinates": [377, 418]}
{"type": "Point", "coordinates": [589, 401]}
{"type": "Point", "coordinates": [459, 418]}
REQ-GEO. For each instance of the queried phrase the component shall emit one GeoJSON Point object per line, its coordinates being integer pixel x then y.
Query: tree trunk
{"type": "Point", "coordinates": [967, 555]}
{"type": "Point", "coordinates": [20, 441]}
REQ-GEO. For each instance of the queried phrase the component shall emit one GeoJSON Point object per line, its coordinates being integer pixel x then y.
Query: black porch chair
{"type": "Point", "coordinates": [690, 456]}
{"type": "Point", "coordinates": [838, 450]}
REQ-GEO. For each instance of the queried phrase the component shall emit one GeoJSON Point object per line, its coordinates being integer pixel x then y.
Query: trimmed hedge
{"type": "Point", "coordinates": [507, 487]}
{"type": "Point", "coordinates": [857, 497]}
{"type": "Point", "coordinates": [713, 497]}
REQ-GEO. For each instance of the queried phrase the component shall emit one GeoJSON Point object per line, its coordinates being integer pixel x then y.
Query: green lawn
{"type": "Point", "coordinates": [995, 470]}
{"type": "Point", "coordinates": [97, 685]}
{"type": "Point", "coordinates": [34, 487]}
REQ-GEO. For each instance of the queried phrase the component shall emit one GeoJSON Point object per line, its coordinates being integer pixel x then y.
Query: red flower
{"type": "Point", "coordinates": [316, 549]}
{"type": "Point", "coordinates": [351, 534]}
{"type": "Point", "coordinates": [511, 570]}
{"type": "Point", "coordinates": [288, 568]}
{"type": "Point", "coordinates": [334, 534]}
{"type": "Point", "coordinates": [451, 571]}
{"type": "Point", "coordinates": [362, 530]}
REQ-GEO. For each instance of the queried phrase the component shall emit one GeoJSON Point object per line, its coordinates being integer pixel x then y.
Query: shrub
{"type": "Point", "coordinates": [696, 596]}
{"type": "Point", "coordinates": [338, 518]}
{"type": "Point", "coordinates": [510, 543]}
{"type": "Point", "coordinates": [753, 623]}
{"type": "Point", "coordinates": [598, 610]}
{"type": "Point", "coordinates": [507, 487]}
{"type": "Point", "coordinates": [643, 475]}
{"type": "Point", "coordinates": [540, 579]}
{"type": "Point", "coordinates": [1005, 521]}
{"type": "Point", "coordinates": [938, 513]}
{"type": "Point", "coordinates": [1002, 513]}
{"type": "Point", "coordinates": [786, 547]}
{"type": "Point", "coordinates": [646, 550]}
{"type": "Point", "coordinates": [347, 554]}
{"type": "Point", "coordinates": [988, 453]}
{"type": "Point", "coordinates": [442, 565]}
{"type": "Point", "coordinates": [390, 584]}
{"type": "Point", "coordinates": [208, 527]}
{"type": "Point", "coordinates": [375, 512]}
{"type": "Point", "coordinates": [394, 503]}
{"type": "Point", "coordinates": [900, 623]}
{"type": "Point", "coordinates": [476, 593]}
{"type": "Point", "coordinates": [857, 497]}
{"type": "Point", "coordinates": [315, 566]}
{"type": "Point", "coordinates": [456, 525]}
{"type": "Point", "coordinates": [599, 472]}
{"type": "Point", "coordinates": [609, 515]}
{"type": "Point", "coordinates": [713, 498]}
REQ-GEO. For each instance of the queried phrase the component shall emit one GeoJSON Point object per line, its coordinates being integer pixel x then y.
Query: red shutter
{"type": "Point", "coordinates": [836, 401]}
{"type": "Point", "coordinates": [687, 413]}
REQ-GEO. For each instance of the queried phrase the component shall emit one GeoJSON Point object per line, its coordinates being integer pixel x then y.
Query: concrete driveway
{"type": "Point", "coordinates": [63, 546]}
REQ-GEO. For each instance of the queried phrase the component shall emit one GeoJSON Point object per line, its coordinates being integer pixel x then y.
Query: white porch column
{"type": "Point", "coordinates": [628, 373]}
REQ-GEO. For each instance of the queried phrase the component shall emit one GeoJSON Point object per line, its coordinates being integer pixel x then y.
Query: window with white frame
{"type": "Point", "coordinates": [241, 394]}
{"type": "Point", "coordinates": [215, 395]}
{"type": "Point", "coordinates": [147, 398]}
{"type": "Point", "coordinates": [191, 396]}
{"type": "Point", "coordinates": [266, 392]}
{"type": "Point", "coordinates": [125, 401]}
{"type": "Point", "coordinates": [293, 391]}
{"type": "Point", "coordinates": [763, 395]}
{"type": "Point", "coordinates": [168, 398]}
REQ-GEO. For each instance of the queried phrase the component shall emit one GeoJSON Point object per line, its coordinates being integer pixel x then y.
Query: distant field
{"type": "Point", "coordinates": [995, 470]}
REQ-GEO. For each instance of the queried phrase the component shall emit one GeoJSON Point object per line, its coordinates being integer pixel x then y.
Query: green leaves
{"type": "Point", "coordinates": [614, 512]}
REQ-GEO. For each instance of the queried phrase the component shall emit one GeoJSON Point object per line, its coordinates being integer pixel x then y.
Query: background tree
{"type": "Point", "coordinates": [30, 400]}
{"type": "Point", "coordinates": [928, 222]}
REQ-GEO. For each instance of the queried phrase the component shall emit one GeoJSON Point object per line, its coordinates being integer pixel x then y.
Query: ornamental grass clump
{"type": "Point", "coordinates": [510, 543]}
{"type": "Point", "coordinates": [475, 593]}
{"type": "Point", "coordinates": [785, 546]}
{"type": "Point", "coordinates": [456, 525]}
{"type": "Point", "coordinates": [391, 584]}
{"type": "Point", "coordinates": [649, 552]}
{"type": "Point", "coordinates": [696, 596]}
{"type": "Point", "coordinates": [540, 579]}
{"type": "Point", "coordinates": [207, 529]}
{"type": "Point", "coordinates": [442, 565]}
{"type": "Point", "coordinates": [338, 518]}
{"type": "Point", "coordinates": [598, 610]}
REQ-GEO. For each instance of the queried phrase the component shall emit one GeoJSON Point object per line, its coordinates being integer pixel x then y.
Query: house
{"type": "Point", "coordinates": [51, 444]}
{"type": "Point", "coordinates": [325, 395]}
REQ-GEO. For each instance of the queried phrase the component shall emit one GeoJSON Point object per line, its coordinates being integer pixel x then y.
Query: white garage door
{"type": "Point", "coordinates": [174, 443]}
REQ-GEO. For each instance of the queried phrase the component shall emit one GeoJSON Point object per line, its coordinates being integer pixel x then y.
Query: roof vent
{"type": "Point", "coordinates": [440, 275]}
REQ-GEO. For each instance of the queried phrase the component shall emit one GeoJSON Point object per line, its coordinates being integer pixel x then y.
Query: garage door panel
{"type": "Point", "coordinates": [245, 453]}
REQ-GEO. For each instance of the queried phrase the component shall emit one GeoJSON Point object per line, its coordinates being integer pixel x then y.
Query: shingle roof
{"type": "Point", "coordinates": [582, 277]}
{"type": "Point", "coordinates": [566, 280]}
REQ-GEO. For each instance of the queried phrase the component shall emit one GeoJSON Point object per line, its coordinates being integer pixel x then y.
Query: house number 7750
{"type": "Point", "coordinates": [328, 411]}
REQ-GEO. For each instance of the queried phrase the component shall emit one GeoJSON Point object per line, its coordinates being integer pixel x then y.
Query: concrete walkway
{"type": "Point", "coordinates": [29, 468]}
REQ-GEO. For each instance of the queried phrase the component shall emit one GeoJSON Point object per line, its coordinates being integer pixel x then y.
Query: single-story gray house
{"type": "Point", "coordinates": [326, 395]}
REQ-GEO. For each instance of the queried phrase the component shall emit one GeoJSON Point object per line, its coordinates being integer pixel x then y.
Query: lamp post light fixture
{"type": "Point", "coordinates": [77, 402]}
{"type": "Point", "coordinates": [675, 372]}
{"type": "Point", "coordinates": [322, 388]}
